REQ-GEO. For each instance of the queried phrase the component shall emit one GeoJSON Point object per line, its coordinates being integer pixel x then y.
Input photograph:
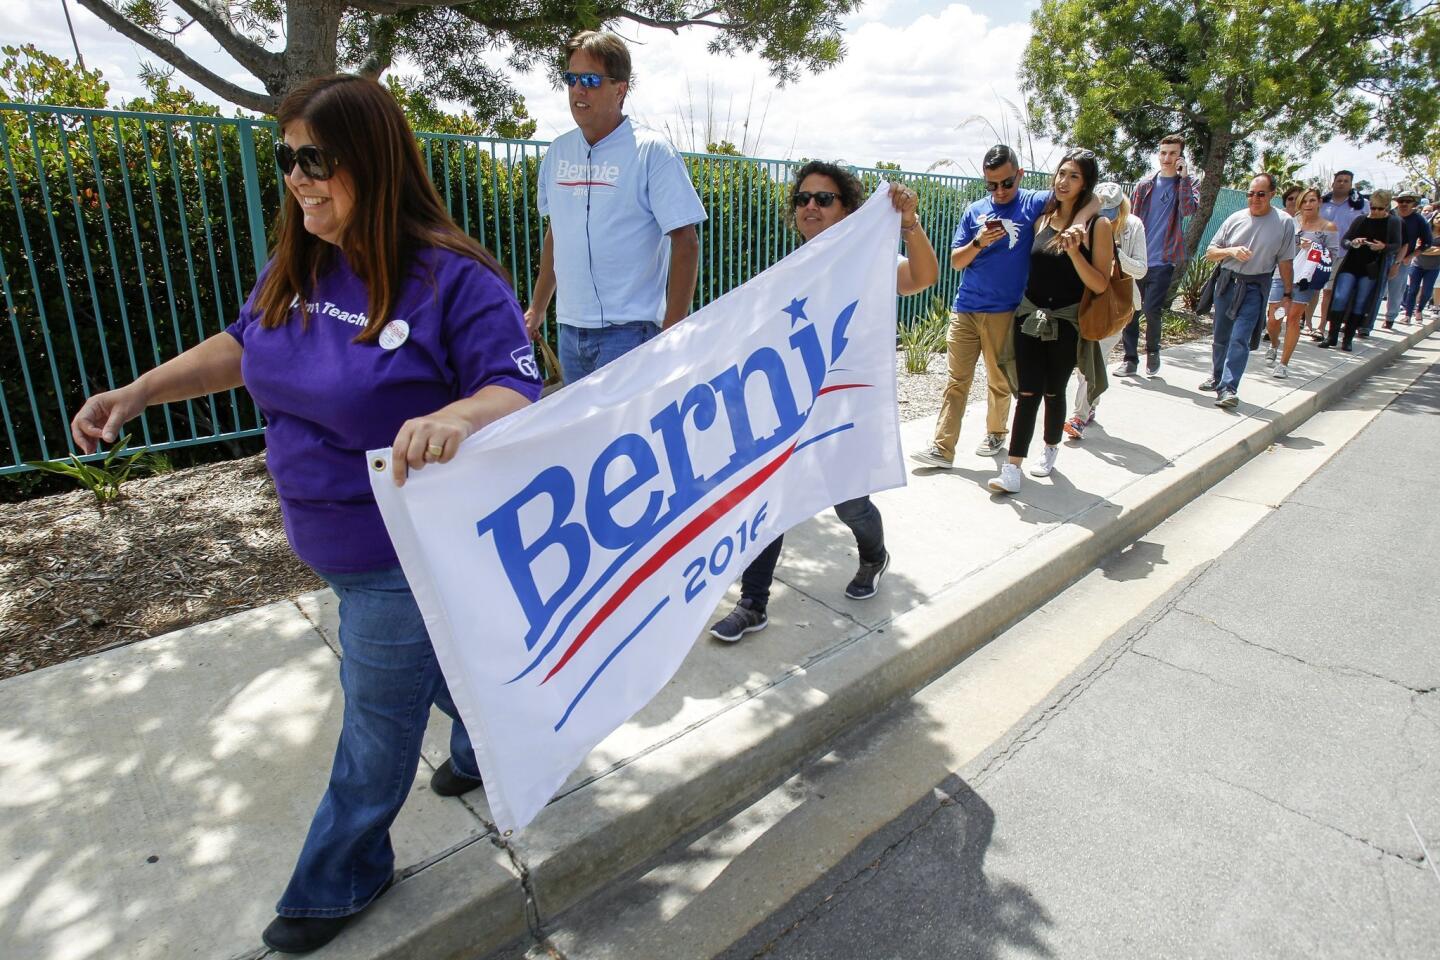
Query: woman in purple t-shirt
{"type": "Point", "coordinates": [377, 322]}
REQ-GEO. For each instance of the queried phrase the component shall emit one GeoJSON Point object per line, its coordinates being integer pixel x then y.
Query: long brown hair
{"type": "Point", "coordinates": [396, 211]}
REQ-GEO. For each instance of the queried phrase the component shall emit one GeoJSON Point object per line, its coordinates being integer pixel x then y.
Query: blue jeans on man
{"type": "Point", "coordinates": [389, 677]}
{"type": "Point", "coordinates": [1395, 294]}
{"type": "Point", "coordinates": [1420, 288]}
{"type": "Point", "coordinates": [1239, 303]}
{"type": "Point", "coordinates": [583, 350]}
{"type": "Point", "coordinates": [1154, 287]}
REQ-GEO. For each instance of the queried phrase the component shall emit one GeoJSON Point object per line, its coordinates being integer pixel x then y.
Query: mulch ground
{"type": "Point", "coordinates": [190, 546]}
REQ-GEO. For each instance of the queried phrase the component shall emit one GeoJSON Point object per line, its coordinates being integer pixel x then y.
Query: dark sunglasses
{"type": "Point", "coordinates": [313, 161]}
{"type": "Point", "coordinates": [822, 198]}
{"type": "Point", "coordinates": [589, 81]}
{"type": "Point", "coordinates": [1254, 194]}
{"type": "Point", "coordinates": [1006, 184]}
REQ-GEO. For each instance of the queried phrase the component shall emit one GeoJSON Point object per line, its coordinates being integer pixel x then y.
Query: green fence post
{"type": "Point", "coordinates": [250, 173]}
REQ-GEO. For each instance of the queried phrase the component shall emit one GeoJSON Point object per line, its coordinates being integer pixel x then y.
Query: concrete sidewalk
{"type": "Point", "coordinates": [156, 795]}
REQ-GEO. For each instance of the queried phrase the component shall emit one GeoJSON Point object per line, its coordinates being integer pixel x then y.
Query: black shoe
{"type": "Point", "coordinates": [1346, 347]}
{"type": "Point", "coordinates": [304, 934]}
{"type": "Point", "coordinates": [1363, 334]}
{"type": "Point", "coordinates": [1152, 364]}
{"type": "Point", "coordinates": [1126, 368]}
{"type": "Point", "coordinates": [1389, 324]}
{"type": "Point", "coordinates": [1322, 343]}
{"type": "Point", "coordinates": [446, 782]}
{"type": "Point", "coordinates": [866, 582]}
{"type": "Point", "coordinates": [745, 618]}
{"type": "Point", "coordinates": [1209, 385]}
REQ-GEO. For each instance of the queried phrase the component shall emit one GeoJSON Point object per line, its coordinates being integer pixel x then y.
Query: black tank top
{"type": "Point", "coordinates": [1053, 281]}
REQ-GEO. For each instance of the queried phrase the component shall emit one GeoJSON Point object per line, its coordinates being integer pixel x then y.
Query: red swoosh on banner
{"type": "Point", "coordinates": [841, 386]}
{"type": "Point", "coordinates": [673, 546]}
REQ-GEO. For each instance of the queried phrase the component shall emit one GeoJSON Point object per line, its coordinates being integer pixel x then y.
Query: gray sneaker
{"type": "Point", "coordinates": [740, 621]}
{"type": "Point", "coordinates": [1126, 368]}
{"type": "Point", "coordinates": [1209, 385]}
{"type": "Point", "coordinates": [932, 458]}
{"type": "Point", "coordinates": [1152, 364]}
{"type": "Point", "coordinates": [1227, 399]}
{"type": "Point", "coordinates": [992, 444]}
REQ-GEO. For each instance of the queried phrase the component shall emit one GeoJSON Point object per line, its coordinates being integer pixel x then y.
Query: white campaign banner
{"type": "Point", "coordinates": [568, 557]}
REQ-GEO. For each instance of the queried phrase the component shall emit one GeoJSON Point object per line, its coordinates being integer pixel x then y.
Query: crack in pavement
{"type": "Point", "coordinates": [1417, 862]}
{"type": "Point", "coordinates": [1176, 666]}
{"type": "Point", "coordinates": [1038, 726]}
{"type": "Point", "coordinates": [1355, 672]}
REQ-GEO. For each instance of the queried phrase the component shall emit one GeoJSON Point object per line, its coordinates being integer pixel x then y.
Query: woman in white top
{"type": "Point", "coordinates": [1130, 237]}
{"type": "Point", "coordinates": [1311, 230]}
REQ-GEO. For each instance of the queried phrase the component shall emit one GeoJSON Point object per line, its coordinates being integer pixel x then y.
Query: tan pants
{"type": "Point", "coordinates": [971, 336]}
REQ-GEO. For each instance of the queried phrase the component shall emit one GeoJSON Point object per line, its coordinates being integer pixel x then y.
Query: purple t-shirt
{"type": "Point", "coordinates": [456, 327]}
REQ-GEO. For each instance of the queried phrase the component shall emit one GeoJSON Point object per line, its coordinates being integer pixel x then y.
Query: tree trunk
{"type": "Point", "coordinates": [312, 31]}
{"type": "Point", "coordinates": [1216, 154]}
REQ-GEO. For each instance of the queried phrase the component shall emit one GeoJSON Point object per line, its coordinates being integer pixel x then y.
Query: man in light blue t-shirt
{"type": "Point", "coordinates": [992, 247]}
{"type": "Point", "coordinates": [621, 252]}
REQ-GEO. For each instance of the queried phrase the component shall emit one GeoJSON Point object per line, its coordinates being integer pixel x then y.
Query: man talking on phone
{"type": "Point", "coordinates": [1162, 201]}
{"type": "Point", "coordinates": [992, 247]}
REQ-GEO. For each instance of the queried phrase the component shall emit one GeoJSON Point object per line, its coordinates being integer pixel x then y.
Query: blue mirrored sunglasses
{"type": "Point", "coordinates": [587, 80]}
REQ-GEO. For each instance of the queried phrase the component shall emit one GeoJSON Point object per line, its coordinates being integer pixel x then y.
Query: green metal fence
{"type": "Point", "coordinates": [126, 238]}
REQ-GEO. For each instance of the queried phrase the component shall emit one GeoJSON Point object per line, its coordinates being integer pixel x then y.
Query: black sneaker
{"type": "Point", "coordinates": [745, 618]}
{"type": "Point", "coordinates": [1209, 385]}
{"type": "Point", "coordinates": [867, 579]}
{"type": "Point", "coordinates": [304, 934]}
{"type": "Point", "coordinates": [1152, 364]}
{"type": "Point", "coordinates": [1126, 368]}
{"type": "Point", "coordinates": [446, 781]}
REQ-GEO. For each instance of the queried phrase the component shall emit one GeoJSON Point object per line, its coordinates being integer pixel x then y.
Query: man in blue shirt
{"type": "Point", "coordinates": [621, 250]}
{"type": "Point", "coordinates": [1162, 201]}
{"type": "Point", "coordinates": [992, 247]}
{"type": "Point", "coordinates": [1415, 236]}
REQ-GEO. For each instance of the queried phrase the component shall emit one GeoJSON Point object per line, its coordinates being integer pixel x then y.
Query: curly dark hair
{"type": "Point", "coordinates": [851, 190]}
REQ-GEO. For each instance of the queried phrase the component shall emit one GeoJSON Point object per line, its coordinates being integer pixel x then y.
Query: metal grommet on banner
{"type": "Point", "coordinates": [508, 834]}
{"type": "Point", "coordinates": [378, 464]}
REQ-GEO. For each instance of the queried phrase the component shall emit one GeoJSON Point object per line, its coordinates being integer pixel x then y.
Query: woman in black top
{"type": "Point", "coordinates": [1367, 241]}
{"type": "Point", "coordinates": [1065, 258]}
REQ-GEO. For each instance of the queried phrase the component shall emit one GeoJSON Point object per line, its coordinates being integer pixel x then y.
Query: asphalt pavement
{"type": "Point", "coordinates": [1250, 768]}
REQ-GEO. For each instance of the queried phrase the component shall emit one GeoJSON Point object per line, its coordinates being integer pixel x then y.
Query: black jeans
{"type": "Point", "coordinates": [1153, 288]}
{"type": "Point", "coordinates": [860, 515]}
{"type": "Point", "coordinates": [1043, 367]}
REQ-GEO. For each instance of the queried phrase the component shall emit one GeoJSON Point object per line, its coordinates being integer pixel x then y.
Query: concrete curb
{"type": "Point", "coordinates": [571, 851]}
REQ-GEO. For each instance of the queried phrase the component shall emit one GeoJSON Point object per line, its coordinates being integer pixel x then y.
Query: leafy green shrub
{"type": "Point", "coordinates": [1192, 281]}
{"type": "Point", "coordinates": [925, 335]}
{"type": "Point", "coordinates": [103, 478]}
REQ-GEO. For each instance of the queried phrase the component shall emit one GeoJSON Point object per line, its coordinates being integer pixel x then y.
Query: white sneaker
{"type": "Point", "coordinates": [1270, 357]}
{"type": "Point", "coordinates": [1009, 480]}
{"type": "Point", "coordinates": [1281, 371]}
{"type": "Point", "coordinates": [1046, 463]}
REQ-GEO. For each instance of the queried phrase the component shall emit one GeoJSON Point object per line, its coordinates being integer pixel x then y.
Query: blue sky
{"type": "Point", "coordinates": [923, 84]}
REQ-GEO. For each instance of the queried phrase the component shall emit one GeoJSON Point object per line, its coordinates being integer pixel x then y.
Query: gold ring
{"type": "Point", "coordinates": [433, 451]}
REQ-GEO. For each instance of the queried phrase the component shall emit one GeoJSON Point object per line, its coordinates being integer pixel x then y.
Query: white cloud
{"type": "Point", "coordinates": [908, 80]}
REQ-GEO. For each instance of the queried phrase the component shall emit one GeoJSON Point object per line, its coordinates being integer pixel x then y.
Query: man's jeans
{"type": "Point", "coordinates": [1421, 287]}
{"type": "Point", "coordinates": [1238, 306]}
{"type": "Point", "coordinates": [583, 350]}
{"type": "Point", "coordinates": [1395, 294]}
{"type": "Point", "coordinates": [389, 677]}
{"type": "Point", "coordinates": [1153, 288]}
{"type": "Point", "coordinates": [860, 515]}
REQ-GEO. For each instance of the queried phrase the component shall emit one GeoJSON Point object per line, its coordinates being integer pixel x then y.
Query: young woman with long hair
{"type": "Point", "coordinates": [1066, 258]}
{"type": "Point", "coordinates": [376, 322]}
{"type": "Point", "coordinates": [1311, 231]}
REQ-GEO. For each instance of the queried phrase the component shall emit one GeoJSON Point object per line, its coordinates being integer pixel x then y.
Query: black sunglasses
{"type": "Point", "coordinates": [587, 80]}
{"type": "Point", "coordinates": [822, 198]}
{"type": "Point", "coordinates": [1006, 184]}
{"type": "Point", "coordinates": [314, 162]}
{"type": "Point", "coordinates": [1253, 194]}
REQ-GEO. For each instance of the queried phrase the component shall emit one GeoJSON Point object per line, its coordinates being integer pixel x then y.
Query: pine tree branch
{"type": "Point", "coordinates": [249, 54]}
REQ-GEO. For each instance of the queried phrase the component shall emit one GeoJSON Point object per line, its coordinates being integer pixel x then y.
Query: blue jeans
{"type": "Point", "coordinates": [389, 677]}
{"type": "Point", "coordinates": [1238, 307]}
{"type": "Point", "coordinates": [1347, 304]}
{"type": "Point", "coordinates": [1420, 287]}
{"type": "Point", "coordinates": [583, 350]}
{"type": "Point", "coordinates": [1153, 288]}
{"type": "Point", "coordinates": [1394, 294]}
